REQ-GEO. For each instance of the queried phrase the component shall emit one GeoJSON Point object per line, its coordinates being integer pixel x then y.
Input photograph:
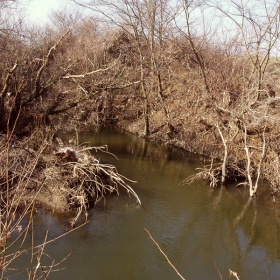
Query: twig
{"type": "Point", "coordinates": [234, 274]}
{"type": "Point", "coordinates": [218, 271]}
{"type": "Point", "coordinates": [164, 255]}
{"type": "Point", "coordinates": [58, 237]}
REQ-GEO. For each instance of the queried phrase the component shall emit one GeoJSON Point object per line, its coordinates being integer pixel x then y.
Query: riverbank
{"type": "Point", "coordinates": [220, 134]}
{"type": "Point", "coordinates": [44, 171]}
{"type": "Point", "coordinates": [240, 136]}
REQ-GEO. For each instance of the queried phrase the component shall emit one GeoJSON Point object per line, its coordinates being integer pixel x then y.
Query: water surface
{"type": "Point", "coordinates": [203, 232]}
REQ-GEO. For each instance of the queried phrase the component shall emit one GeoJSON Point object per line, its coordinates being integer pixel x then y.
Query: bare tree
{"type": "Point", "coordinates": [190, 7]}
{"type": "Point", "coordinates": [257, 23]}
{"type": "Point", "coordinates": [146, 23]}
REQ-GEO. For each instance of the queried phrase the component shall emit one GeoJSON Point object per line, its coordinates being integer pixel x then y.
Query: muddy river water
{"type": "Point", "coordinates": [204, 232]}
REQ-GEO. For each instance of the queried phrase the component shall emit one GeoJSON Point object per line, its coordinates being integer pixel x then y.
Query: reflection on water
{"type": "Point", "coordinates": [201, 230]}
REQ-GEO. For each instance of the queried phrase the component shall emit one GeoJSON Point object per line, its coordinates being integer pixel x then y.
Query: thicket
{"type": "Point", "coordinates": [153, 68]}
{"type": "Point", "coordinates": [200, 75]}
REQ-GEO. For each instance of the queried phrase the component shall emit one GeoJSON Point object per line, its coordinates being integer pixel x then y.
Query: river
{"type": "Point", "coordinates": [203, 232]}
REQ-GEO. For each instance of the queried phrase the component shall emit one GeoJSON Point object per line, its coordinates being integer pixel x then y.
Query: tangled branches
{"type": "Point", "coordinates": [63, 178]}
{"type": "Point", "coordinates": [210, 174]}
{"type": "Point", "coordinates": [87, 180]}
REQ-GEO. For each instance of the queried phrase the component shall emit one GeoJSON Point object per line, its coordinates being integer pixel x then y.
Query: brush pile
{"type": "Point", "coordinates": [55, 176]}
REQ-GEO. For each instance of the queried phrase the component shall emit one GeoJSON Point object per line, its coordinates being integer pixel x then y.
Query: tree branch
{"type": "Point", "coordinates": [248, 162]}
{"type": "Point", "coordinates": [38, 87]}
{"type": "Point", "coordinates": [6, 84]}
{"type": "Point", "coordinates": [86, 74]}
{"type": "Point", "coordinates": [225, 155]}
{"type": "Point", "coordinates": [264, 153]}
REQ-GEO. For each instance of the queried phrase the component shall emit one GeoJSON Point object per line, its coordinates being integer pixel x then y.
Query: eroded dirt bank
{"type": "Point", "coordinates": [242, 140]}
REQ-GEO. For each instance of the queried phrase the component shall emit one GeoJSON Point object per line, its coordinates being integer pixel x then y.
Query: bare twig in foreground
{"type": "Point", "coordinates": [164, 255]}
{"type": "Point", "coordinates": [234, 274]}
{"type": "Point", "coordinates": [218, 271]}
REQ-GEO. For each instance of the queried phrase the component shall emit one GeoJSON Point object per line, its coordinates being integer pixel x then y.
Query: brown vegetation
{"type": "Point", "coordinates": [36, 172]}
{"type": "Point", "coordinates": [195, 74]}
{"type": "Point", "coordinates": [212, 95]}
